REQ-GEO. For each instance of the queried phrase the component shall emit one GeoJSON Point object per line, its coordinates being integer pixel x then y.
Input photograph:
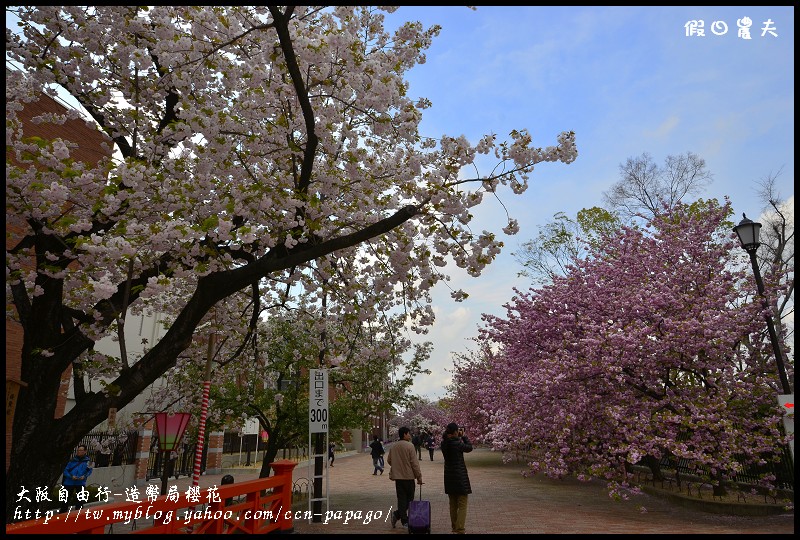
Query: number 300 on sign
{"type": "Point", "coordinates": [319, 415]}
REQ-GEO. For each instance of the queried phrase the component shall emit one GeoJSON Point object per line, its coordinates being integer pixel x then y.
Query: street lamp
{"type": "Point", "coordinates": [169, 430]}
{"type": "Point", "coordinates": [748, 232]}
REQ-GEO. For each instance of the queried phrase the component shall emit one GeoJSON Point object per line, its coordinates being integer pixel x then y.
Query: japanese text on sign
{"type": "Point", "coordinates": [318, 401]}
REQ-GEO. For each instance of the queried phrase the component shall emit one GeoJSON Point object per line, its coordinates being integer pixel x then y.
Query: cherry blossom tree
{"type": "Point", "coordinates": [274, 150]}
{"type": "Point", "coordinates": [646, 347]}
{"type": "Point", "coordinates": [421, 415]}
{"type": "Point", "coordinates": [472, 378]}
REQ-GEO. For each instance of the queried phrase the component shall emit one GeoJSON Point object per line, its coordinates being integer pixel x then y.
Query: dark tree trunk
{"type": "Point", "coordinates": [718, 485]}
{"type": "Point", "coordinates": [41, 445]}
{"type": "Point", "coordinates": [269, 457]}
{"type": "Point", "coordinates": [655, 468]}
{"type": "Point", "coordinates": [42, 468]}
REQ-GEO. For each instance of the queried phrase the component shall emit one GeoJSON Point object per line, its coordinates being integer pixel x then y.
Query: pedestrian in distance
{"type": "Point", "coordinates": [331, 456]}
{"type": "Point", "coordinates": [76, 472]}
{"type": "Point", "coordinates": [103, 455]}
{"type": "Point", "coordinates": [416, 440]}
{"type": "Point", "coordinates": [431, 445]}
{"type": "Point", "coordinates": [173, 464]}
{"type": "Point", "coordinates": [456, 479]}
{"type": "Point", "coordinates": [377, 454]}
{"type": "Point", "coordinates": [404, 468]}
{"type": "Point", "coordinates": [381, 458]}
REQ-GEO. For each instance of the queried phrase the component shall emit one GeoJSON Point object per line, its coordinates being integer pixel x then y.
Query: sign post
{"type": "Point", "coordinates": [317, 434]}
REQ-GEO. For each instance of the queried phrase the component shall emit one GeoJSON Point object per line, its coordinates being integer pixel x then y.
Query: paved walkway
{"type": "Point", "coordinates": [503, 501]}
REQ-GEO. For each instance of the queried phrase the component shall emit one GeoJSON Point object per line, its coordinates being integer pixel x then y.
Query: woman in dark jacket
{"type": "Point", "coordinates": [376, 453]}
{"type": "Point", "coordinates": [456, 479]}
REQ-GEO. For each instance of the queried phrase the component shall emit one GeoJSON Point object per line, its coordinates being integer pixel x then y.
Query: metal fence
{"type": "Point", "coordinates": [233, 443]}
{"type": "Point", "coordinates": [180, 464]}
{"type": "Point", "coordinates": [106, 448]}
{"type": "Point", "coordinates": [118, 447]}
{"type": "Point", "coordinates": [782, 469]}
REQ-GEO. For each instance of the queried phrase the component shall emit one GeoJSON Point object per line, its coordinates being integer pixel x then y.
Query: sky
{"type": "Point", "coordinates": [626, 80]}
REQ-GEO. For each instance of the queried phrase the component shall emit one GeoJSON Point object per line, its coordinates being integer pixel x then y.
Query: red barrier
{"type": "Point", "coordinates": [267, 508]}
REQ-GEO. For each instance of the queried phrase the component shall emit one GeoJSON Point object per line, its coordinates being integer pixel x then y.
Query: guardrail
{"type": "Point", "coordinates": [267, 508]}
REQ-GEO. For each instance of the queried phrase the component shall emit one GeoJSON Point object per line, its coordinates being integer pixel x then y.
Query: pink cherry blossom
{"type": "Point", "coordinates": [650, 346]}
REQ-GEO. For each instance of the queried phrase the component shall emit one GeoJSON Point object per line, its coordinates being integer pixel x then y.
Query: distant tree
{"type": "Point", "coordinates": [647, 189]}
{"type": "Point", "coordinates": [465, 399]}
{"type": "Point", "coordinates": [269, 379]}
{"type": "Point", "coordinates": [421, 415]}
{"type": "Point", "coordinates": [562, 241]}
{"type": "Point", "coordinates": [776, 257]}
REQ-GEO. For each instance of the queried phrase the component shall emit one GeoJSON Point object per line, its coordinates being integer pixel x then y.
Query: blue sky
{"type": "Point", "coordinates": [627, 80]}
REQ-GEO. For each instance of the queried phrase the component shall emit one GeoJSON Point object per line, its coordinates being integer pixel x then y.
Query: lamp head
{"type": "Point", "coordinates": [748, 232]}
{"type": "Point", "coordinates": [170, 428]}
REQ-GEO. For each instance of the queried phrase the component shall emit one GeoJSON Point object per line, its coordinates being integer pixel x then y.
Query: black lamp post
{"type": "Point", "coordinates": [748, 232]}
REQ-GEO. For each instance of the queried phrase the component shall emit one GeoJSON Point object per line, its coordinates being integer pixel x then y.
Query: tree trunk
{"type": "Point", "coordinates": [719, 485]}
{"type": "Point", "coordinates": [269, 457]}
{"type": "Point", "coordinates": [39, 464]}
{"type": "Point", "coordinates": [655, 468]}
{"type": "Point", "coordinates": [42, 445]}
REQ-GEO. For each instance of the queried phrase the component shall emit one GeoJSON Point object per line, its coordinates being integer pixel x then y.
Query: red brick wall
{"type": "Point", "coordinates": [143, 451]}
{"type": "Point", "coordinates": [214, 457]}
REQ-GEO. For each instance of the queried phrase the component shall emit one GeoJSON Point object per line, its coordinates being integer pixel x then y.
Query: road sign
{"type": "Point", "coordinates": [318, 401]}
{"type": "Point", "coordinates": [251, 426]}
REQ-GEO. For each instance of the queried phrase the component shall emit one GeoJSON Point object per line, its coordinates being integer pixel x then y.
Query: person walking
{"type": "Point", "coordinates": [404, 468]}
{"type": "Point", "coordinates": [431, 445]}
{"type": "Point", "coordinates": [456, 479]}
{"type": "Point", "coordinates": [416, 440]}
{"type": "Point", "coordinates": [76, 472]}
{"type": "Point", "coordinates": [377, 454]}
{"type": "Point", "coordinates": [380, 460]}
{"type": "Point", "coordinates": [331, 456]}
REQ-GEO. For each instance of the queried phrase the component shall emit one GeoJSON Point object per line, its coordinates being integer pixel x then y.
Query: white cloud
{"type": "Point", "coordinates": [664, 130]}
